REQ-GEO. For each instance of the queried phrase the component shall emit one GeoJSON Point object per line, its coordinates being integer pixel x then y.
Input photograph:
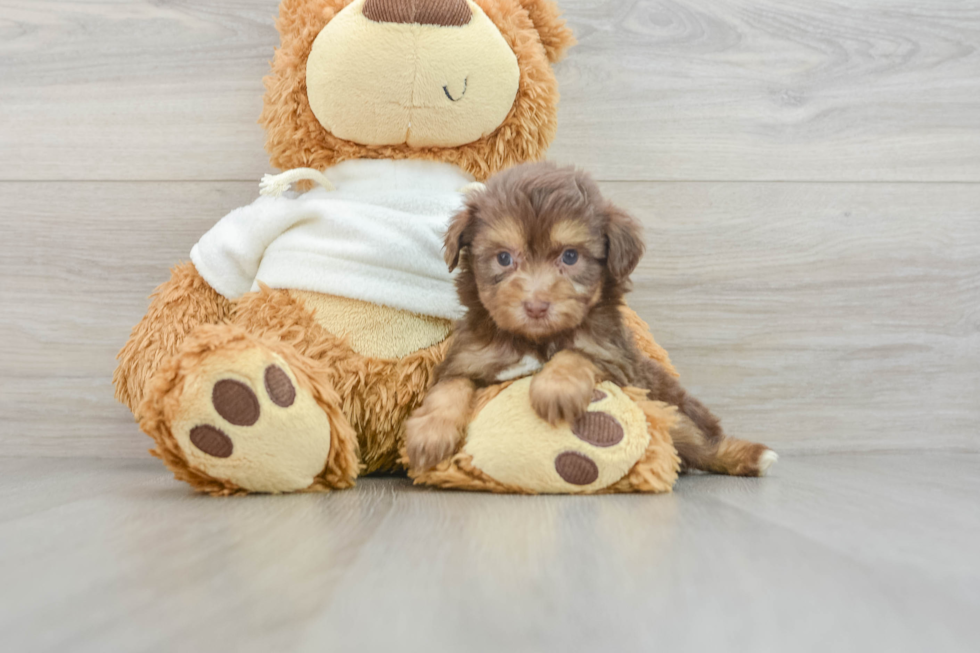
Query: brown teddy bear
{"type": "Point", "coordinates": [288, 354]}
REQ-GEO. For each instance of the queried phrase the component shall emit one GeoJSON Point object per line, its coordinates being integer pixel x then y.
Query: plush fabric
{"type": "Point", "coordinates": [177, 308]}
{"type": "Point", "coordinates": [377, 238]}
{"type": "Point", "coordinates": [373, 330]}
{"type": "Point", "coordinates": [644, 340]}
{"type": "Point", "coordinates": [458, 86]}
{"type": "Point", "coordinates": [307, 447]}
{"type": "Point", "coordinates": [296, 139]}
{"type": "Point", "coordinates": [376, 394]}
{"type": "Point", "coordinates": [510, 443]}
{"type": "Point", "coordinates": [555, 36]}
{"type": "Point", "coordinates": [302, 429]}
{"type": "Point", "coordinates": [508, 450]}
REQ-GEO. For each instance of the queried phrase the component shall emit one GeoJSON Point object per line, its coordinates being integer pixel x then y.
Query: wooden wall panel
{"type": "Point", "coordinates": [705, 90]}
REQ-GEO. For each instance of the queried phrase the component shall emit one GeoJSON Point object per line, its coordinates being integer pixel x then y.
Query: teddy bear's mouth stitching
{"type": "Point", "coordinates": [445, 89]}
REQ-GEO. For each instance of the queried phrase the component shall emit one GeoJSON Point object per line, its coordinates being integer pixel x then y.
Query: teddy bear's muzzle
{"type": "Point", "coordinates": [422, 73]}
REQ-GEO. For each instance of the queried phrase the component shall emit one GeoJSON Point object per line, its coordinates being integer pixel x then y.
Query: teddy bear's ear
{"type": "Point", "coordinates": [555, 34]}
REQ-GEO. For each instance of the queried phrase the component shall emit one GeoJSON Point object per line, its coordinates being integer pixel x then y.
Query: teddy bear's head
{"type": "Point", "coordinates": [464, 81]}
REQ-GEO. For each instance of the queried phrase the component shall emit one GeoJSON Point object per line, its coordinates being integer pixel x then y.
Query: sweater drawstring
{"type": "Point", "coordinates": [276, 185]}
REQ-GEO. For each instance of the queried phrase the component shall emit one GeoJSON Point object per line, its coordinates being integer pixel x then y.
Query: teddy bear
{"type": "Point", "coordinates": [287, 354]}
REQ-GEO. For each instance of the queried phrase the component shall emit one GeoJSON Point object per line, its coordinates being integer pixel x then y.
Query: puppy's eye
{"type": "Point", "coordinates": [504, 259]}
{"type": "Point", "coordinates": [570, 257]}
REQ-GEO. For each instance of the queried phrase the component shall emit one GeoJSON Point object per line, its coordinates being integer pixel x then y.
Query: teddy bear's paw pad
{"type": "Point", "coordinates": [598, 429]}
{"type": "Point", "coordinates": [238, 405]}
{"type": "Point", "coordinates": [576, 468]}
{"type": "Point", "coordinates": [511, 444]}
{"type": "Point", "coordinates": [212, 441]}
{"type": "Point", "coordinates": [235, 402]}
{"type": "Point", "coordinates": [244, 418]}
{"type": "Point", "coordinates": [279, 387]}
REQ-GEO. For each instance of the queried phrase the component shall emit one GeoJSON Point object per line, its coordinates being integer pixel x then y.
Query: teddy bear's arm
{"type": "Point", "coordinates": [644, 340]}
{"type": "Point", "coordinates": [177, 307]}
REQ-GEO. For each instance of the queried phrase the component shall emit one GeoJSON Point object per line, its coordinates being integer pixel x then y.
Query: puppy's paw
{"type": "Point", "coordinates": [430, 438]}
{"type": "Point", "coordinates": [559, 398]}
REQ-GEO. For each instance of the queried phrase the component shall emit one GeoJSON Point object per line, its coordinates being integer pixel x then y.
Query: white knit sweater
{"type": "Point", "coordinates": [377, 237]}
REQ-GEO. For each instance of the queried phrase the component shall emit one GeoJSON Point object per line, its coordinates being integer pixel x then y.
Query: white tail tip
{"type": "Point", "coordinates": [767, 460]}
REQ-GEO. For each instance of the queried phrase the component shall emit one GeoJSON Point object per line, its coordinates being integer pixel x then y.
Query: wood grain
{"type": "Point", "coordinates": [656, 90]}
{"type": "Point", "coordinates": [844, 553]}
{"type": "Point", "coordinates": [80, 260]}
{"type": "Point", "coordinates": [819, 316]}
{"type": "Point", "coordinates": [133, 89]}
{"type": "Point", "coordinates": [773, 90]}
{"type": "Point", "coordinates": [814, 317]}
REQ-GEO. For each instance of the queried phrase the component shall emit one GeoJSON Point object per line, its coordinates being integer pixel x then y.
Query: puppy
{"type": "Point", "coordinates": [544, 263]}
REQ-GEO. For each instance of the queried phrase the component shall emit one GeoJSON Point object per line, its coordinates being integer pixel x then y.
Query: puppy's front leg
{"type": "Point", "coordinates": [563, 389]}
{"type": "Point", "coordinates": [434, 429]}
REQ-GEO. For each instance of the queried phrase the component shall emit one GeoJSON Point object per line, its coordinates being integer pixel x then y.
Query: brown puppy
{"type": "Point", "coordinates": [544, 263]}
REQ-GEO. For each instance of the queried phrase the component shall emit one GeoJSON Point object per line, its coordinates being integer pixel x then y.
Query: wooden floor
{"type": "Point", "coordinates": [843, 552]}
{"type": "Point", "coordinates": [809, 175]}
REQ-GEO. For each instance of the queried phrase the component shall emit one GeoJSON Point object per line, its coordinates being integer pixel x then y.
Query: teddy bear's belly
{"type": "Point", "coordinates": [373, 330]}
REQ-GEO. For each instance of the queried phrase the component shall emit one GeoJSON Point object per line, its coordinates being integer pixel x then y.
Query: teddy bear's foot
{"type": "Point", "coordinates": [621, 444]}
{"type": "Point", "coordinates": [231, 414]}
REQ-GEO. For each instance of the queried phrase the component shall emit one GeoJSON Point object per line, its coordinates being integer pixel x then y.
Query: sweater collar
{"type": "Point", "coordinates": [368, 175]}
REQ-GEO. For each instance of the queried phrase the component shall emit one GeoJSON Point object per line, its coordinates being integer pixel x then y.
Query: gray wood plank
{"type": "Point", "coordinates": [114, 555]}
{"type": "Point", "coordinates": [815, 317]}
{"type": "Point", "coordinates": [705, 90]}
{"type": "Point", "coordinates": [80, 261]}
{"type": "Point", "coordinates": [903, 490]}
{"type": "Point", "coordinates": [821, 316]}
{"type": "Point", "coordinates": [133, 89]}
{"type": "Point", "coordinates": [773, 90]}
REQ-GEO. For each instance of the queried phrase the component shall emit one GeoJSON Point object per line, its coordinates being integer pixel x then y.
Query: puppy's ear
{"type": "Point", "coordinates": [459, 234]}
{"type": "Point", "coordinates": [624, 243]}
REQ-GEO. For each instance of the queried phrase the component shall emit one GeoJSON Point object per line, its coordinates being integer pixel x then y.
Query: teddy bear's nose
{"type": "Point", "coordinates": [445, 13]}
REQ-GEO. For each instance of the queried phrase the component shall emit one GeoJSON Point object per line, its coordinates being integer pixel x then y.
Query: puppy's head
{"type": "Point", "coordinates": [540, 248]}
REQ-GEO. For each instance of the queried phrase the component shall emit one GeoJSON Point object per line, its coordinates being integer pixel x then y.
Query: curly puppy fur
{"type": "Point", "coordinates": [545, 262]}
{"type": "Point", "coordinates": [295, 139]}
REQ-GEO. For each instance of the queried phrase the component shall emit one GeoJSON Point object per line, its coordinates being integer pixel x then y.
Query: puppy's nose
{"type": "Point", "coordinates": [536, 310]}
{"type": "Point", "coordinates": [444, 13]}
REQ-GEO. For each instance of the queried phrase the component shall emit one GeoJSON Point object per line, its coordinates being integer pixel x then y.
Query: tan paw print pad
{"type": "Point", "coordinates": [242, 419]}
{"type": "Point", "coordinates": [509, 448]}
